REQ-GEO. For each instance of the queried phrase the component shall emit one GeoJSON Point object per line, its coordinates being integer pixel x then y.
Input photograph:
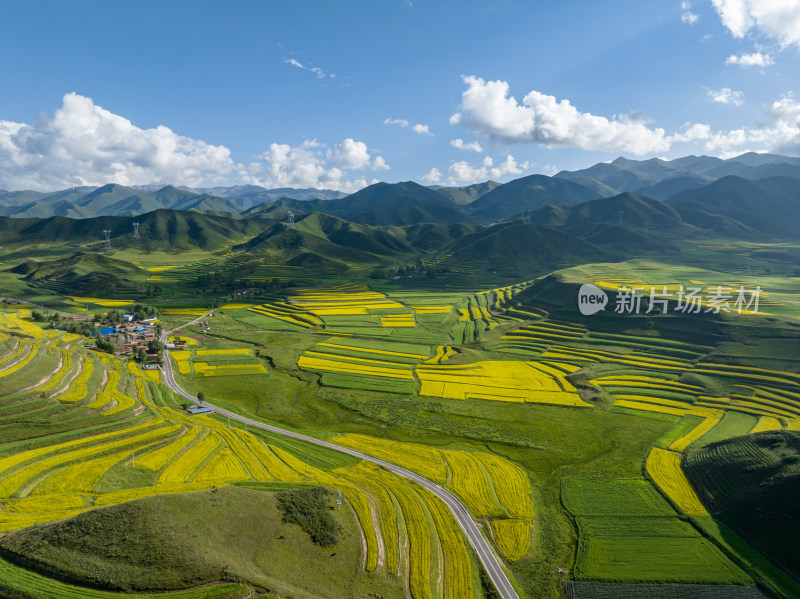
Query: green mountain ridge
{"type": "Point", "coordinates": [527, 193]}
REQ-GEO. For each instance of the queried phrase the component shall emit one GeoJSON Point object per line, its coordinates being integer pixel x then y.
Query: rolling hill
{"type": "Point", "coordinates": [528, 193]}
{"type": "Point", "coordinates": [222, 534]}
{"type": "Point", "coordinates": [751, 483]}
{"type": "Point", "coordinates": [466, 195]}
{"type": "Point", "coordinates": [767, 209]}
{"type": "Point", "coordinates": [161, 229]}
{"type": "Point", "coordinates": [84, 273]}
{"type": "Point", "coordinates": [524, 248]}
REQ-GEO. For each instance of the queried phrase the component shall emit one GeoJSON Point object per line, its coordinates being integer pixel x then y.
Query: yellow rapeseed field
{"type": "Point", "coordinates": [224, 466]}
{"type": "Point", "coordinates": [360, 475]}
{"type": "Point", "coordinates": [457, 575]}
{"type": "Point", "coordinates": [251, 463]}
{"type": "Point", "coordinates": [184, 311]}
{"type": "Point", "coordinates": [709, 422]}
{"type": "Point", "coordinates": [664, 467]}
{"type": "Point", "coordinates": [471, 483]}
{"type": "Point", "coordinates": [155, 460]}
{"type": "Point", "coordinates": [442, 354]}
{"type": "Point", "coordinates": [182, 359]}
{"type": "Point", "coordinates": [182, 469]}
{"type": "Point", "coordinates": [106, 303]}
{"type": "Point", "coordinates": [11, 483]}
{"type": "Point", "coordinates": [767, 423]}
{"type": "Point", "coordinates": [331, 365]}
{"type": "Point", "coordinates": [18, 365]}
{"type": "Point", "coordinates": [241, 351]}
{"type": "Point", "coordinates": [271, 462]}
{"type": "Point", "coordinates": [419, 458]}
{"type": "Point", "coordinates": [497, 380]}
{"type": "Point", "coordinates": [418, 534]}
{"type": "Point", "coordinates": [513, 537]}
{"type": "Point", "coordinates": [384, 352]}
{"type": "Point", "coordinates": [398, 320]}
{"type": "Point", "coordinates": [207, 369]}
{"type": "Point", "coordinates": [510, 483]}
{"type": "Point", "coordinates": [43, 504]}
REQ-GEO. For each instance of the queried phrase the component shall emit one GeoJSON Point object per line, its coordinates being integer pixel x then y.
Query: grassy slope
{"type": "Point", "coordinates": [178, 541]}
{"type": "Point", "coordinates": [751, 484]}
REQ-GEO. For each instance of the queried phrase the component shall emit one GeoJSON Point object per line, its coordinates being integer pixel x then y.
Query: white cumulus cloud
{"type": "Point", "coordinates": [84, 144]}
{"type": "Point", "coordinates": [473, 146]}
{"type": "Point", "coordinates": [432, 176]}
{"type": "Point", "coordinates": [463, 172]}
{"type": "Point", "coordinates": [350, 154]}
{"type": "Point", "coordinates": [777, 20]}
{"type": "Point", "coordinates": [753, 59]}
{"type": "Point", "coordinates": [687, 16]}
{"type": "Point", "coordinates": [726, 96]}
{"type": "Point", "coordinates": [488, 111]}
{"type": "Point", "coordinates": [778, 132]}
{"type": "Point", "coordinates": [421, 129]}
{"type": "Point", "coordinates": [312, 164]}
{"type": "Point", "coordinates": [692, 132]}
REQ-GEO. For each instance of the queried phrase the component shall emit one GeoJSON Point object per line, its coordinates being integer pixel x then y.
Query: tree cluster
{"type": "Point", "coordinates": [105, 346]}
{"type": "Point", "coordinates": [310, 510]}
{"type": "Point", "coordinates": [139, 311]}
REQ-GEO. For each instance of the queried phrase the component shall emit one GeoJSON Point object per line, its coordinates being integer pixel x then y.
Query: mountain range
{"type": "Point", "coordinates": [525, 227]}
{"type": "Point", "coordinates": [408, 203]}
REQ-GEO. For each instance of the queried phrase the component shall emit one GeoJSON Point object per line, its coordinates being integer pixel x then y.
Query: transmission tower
{"type": "Point", "coordinates": [107, 233]}
{"type": "Point", "coordinates": [136, 230]}
{"type": "Point", "coordinates": [621, 214]}
{"type": "Point", "coordinates": [291, 219]}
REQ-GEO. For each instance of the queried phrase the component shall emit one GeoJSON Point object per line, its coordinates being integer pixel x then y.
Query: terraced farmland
{"type": "Point", "coordinates": [502, 381]}
{"type": "Point", "coordinates": [432, 349]}
{"type": "Point", "coordinates": [361, 364]}
{"type": "Point", "coordinates": [65, 474]}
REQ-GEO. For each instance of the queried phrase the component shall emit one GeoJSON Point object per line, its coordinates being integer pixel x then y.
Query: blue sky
{"type": "Point", "coordinates": [339, 94]}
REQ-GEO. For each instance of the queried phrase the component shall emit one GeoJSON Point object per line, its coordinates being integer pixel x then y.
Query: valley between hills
{"type": "Point", "coordinates": [649, 448]}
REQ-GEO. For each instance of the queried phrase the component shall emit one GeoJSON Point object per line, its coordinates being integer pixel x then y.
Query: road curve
{"type": "Point", "coordinates": [465, 521]}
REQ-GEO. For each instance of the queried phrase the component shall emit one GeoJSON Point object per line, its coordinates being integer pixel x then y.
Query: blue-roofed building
{"type": "Point", "coordinates": [203, 410]}
{"type": "Point", "coordinates": [108, 331]}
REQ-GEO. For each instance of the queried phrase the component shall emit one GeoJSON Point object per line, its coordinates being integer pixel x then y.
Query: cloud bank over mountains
{"type": "Point", "coordinates": [85, 144]}
{"type": "Point", "coordinates": [489, 112]}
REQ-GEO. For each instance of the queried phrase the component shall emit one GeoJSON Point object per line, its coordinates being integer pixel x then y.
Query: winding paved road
{"type": "Point", "coordinates": [465, 521]}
